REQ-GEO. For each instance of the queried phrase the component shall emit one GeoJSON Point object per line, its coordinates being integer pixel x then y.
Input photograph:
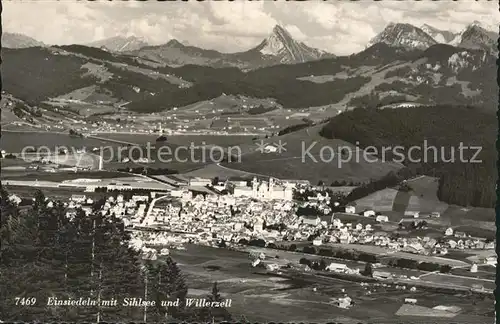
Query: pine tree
{"type": "Point", "coordinates": [216, 314]}
{"type": "Point", "coordinates": [116, 268]}
{"type": "Point", "coordinates": [172, 286]}
{"type": "Point", "coordinates": [368, 271]}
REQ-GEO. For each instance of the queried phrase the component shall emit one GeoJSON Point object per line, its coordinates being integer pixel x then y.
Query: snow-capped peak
{"type": "Point", "coordinates": [277, 41]}
{"type": "Point", "coordinates": [174, 43]}
{"type": "Point", "coordinates": [440, 36]}
{"type": "Point", "coordinates": [120, 43]}
{"type": "Point", "coordinates": [282, 45]}
{"type": "Point", "coordinates": [477, 36]}
{"type": "Point", "coordinates": [485, 26]}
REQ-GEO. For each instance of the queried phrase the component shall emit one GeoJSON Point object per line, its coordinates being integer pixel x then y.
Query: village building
{"type": "Point", "coordinates": [337, 267]}
{"type": "Point", "coordinates": [350, 209]}
{"type": "Point", "coordinates": [369, 213]}
{"type": "Point", "coordinates": [78, 198]}
{"type": "Point", "coordinates": [382, 219]}
{"type": "Point", "coordinates": [414, 214]}
{"type": "Point", "coordinates": [265, 190]}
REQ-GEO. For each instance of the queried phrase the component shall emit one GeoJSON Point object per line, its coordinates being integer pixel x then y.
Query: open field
{"type": "Point", "coordinates": [382, 200]}
{"type": "Point", "coordinates": [62, 194]}
{"type": "Point", "coordinates": [215, 170]}
{"type": "Point", "coordinates": [14, 142]}
{"type": "Point", "coordinates": [285, 300]}
{"type": "Point", "coordinates": [423, 197]}
{"type": "Point", "coordinates": [61, 176]}
{"type": "Point", "coordinates": [295, 163]}
{"type": "Point", "coordinates": [459, 215]}
{"type": "Point", "coordinates": [415, 310]}
{"type": "Point", "coordinates": [382, 251]}
{"type": "Point", "coordinates": [484, 272]}
{"type": "Point", "coordinates": [355, 219]}
{"type": "Point", "coordinates": [78, 106]}
{"type": "Point", "coordinates": [81, 183]}
{"type": "Point", "coordinates": [229, 103]}
{"type": "Point", "coordinates": [460, 281]}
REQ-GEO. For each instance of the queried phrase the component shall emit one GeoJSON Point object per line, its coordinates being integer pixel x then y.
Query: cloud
{"type": "Point", "coordinates": [340, 27]}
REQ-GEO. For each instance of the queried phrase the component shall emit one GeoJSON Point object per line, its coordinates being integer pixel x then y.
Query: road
{"type": "Point", "coordinates": [150, 209]}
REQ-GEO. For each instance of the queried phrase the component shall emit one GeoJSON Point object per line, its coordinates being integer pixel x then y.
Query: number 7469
{"type": "Point", "coordinates": [25, 301]}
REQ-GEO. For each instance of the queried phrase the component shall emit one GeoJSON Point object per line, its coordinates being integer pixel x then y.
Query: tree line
{"type": "Point", "coordinates": [445, 127]}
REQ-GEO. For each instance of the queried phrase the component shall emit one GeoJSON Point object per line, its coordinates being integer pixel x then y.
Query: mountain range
{"type": "Point", "coordinates": [15, 40]}
{"type": "Point", "coordinates": [120, 44]}
{"type": "Point", "coordinates": [403, 64]}
{"type": "Point", "coordinates": [474, 36]}
{"type": "Point", "coordinates": [279, 47]}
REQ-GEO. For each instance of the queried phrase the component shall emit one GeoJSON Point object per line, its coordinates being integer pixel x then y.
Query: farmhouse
{"type": "Point", "coordinates": [345, 302]}
{"type": "Point", "coordinates": [15, 199]}
{"type": "Point", "coordinates": [414, 214]}
{"type": "Point", "coordinates": [311, 220]}
{"type": "Point", "coordinates": [369, 213]}
{"type": "Point", "coordinates": [382, 219]}
{"type": "Point", "coordinates": [381, 274]}
{"type": "Point", "coordinates": [78, 198]}
{"type": "Point", "coordinates": [337, 267]}
{"type": "Point", "coordinates": [270, 149]}
{"type": "Point", "coordinates": [317, 242]}
{"type": "Point", "coordinates": [350, 209]}
{"type": "Point", "coordinates": [199, 182]}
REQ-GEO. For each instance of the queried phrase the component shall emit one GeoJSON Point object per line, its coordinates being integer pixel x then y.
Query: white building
{"type": "Point", "coordinates": [449, 231]}
{"type": "Point", "coordinates": [314, 221]}
{"type": "Point", "coordinates": [15, 199]}
{"type": "Point", "coordinates": [78, 198]}
{"type": "Point", "coordinates": [435, 214]}
{"type": "Point", "coordinates": [369, 213]}
{"type": "Point", "coordinates": [350, 210]}
{"type": "Point", "coordinates": [199, 182]}
{"type": "Point", "coordinates": [270, 149]}
{"type": "Point", "coordinates": [265, 190]}
{"type": "Point", "coordinates": [414, 214]}
{"type": "Point", "coordinates": [382, 219]}
{"type": "Point", "coordinates": [337, 267]}
{"type": "Point", "coordinates": [137, 198]}
{"type": "Point", "coordinates": [345, 302]}
{"type": "Point", "coordinates": [317, 242]}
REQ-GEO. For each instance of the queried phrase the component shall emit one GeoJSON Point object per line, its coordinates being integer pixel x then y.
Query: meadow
{"type": "Point", "coordinates": [186, 140]}
{"type": "Point", "coordinates": [264, 298]}
{"type": "Point", "coordinates": [14, 142]}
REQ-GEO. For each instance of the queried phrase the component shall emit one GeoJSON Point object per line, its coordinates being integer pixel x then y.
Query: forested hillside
{"type": "Point", "coordinates": [378, 75]}
{"type": "Point", "coordinates": [444, 127]}
{"type": "Point", "coordinates": [47, 254]}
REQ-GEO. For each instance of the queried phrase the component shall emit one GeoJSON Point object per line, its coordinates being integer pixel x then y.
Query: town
{"type": "Point", "coordinates": [295, 217]}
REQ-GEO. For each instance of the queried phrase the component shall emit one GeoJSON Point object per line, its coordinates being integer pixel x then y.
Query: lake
{"type": "Point", "coordinates": [14, 142]}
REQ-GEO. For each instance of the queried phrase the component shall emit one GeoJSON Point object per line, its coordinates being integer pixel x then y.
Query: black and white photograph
{"type": "Point", "coordinates": [249, 161]}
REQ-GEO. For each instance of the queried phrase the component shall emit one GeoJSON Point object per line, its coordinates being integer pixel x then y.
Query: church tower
{"type": "Point", "coordinates": [255, 187]}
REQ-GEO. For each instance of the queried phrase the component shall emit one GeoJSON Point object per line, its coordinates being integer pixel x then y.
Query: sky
{"type": "Point", "coordinates": [339, 27]}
